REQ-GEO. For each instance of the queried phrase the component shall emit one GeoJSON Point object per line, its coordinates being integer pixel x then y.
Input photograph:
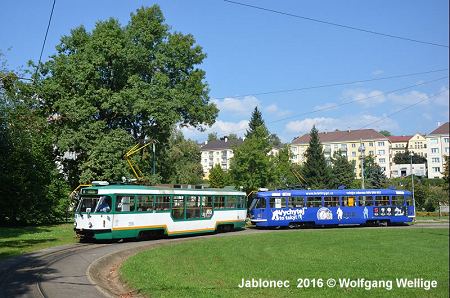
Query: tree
{"type": "Point", "coordinates": [385, 133]}
{"type": "Point", "coordinates": [182, 161]}
{"type": "Point", "coordinates": [405, 158]}
{"type": "Point", "coordinates": [232, 137]}
{"type": "Point", "coordinates": [275, 140]}
{"type": "Point", "coordinates": [124, 84]}
{"type": "Point", "coordinates": [315, 170]}
{"type": "Point", "coordinates": [212, 136]}
{"type": "Point", "coordinates": [256, 121]}
{"type": "Point", "coordinates": [342, 171]}
{"type": "Point", "coordinates": [32, 190]}
{"type": "Point", "coordinates": [250, 167]}
{"type": "Point", "coordinates": [446, 173]}
{"type": "Point", "coordinates": [218, 178]}
{"type": "Point", "coordinates": [374, 176]}
{"type": "Point", "coordinates": [283, 170]}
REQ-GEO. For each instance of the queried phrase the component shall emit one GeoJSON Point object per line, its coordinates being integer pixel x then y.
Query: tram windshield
{"type": "Point", "coordinates": [94, 204]}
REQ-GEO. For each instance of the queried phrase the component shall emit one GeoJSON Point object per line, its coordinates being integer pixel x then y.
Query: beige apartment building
{"type": "Point", "coordinates": [350, 143]}
{"type": "Point", "coordinates": [437, 148]}
{"type": "Point", "coordinates": [418, 145]}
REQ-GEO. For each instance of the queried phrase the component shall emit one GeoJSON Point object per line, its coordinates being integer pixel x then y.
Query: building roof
{"type": "Point", "coordinates": [222, 144]}
{"type": "Point", "coordinates": [396, 139]}
{"type": "Point", "coordinates": [342, 136]}
{"type": "Point", "coordinates": [441, 130]}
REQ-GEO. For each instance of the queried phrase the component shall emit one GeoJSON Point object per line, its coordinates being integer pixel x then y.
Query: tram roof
{"type": "Point", "coordinates": [139, 189]}
{"type": "Point", "coordinates": [330, 192]}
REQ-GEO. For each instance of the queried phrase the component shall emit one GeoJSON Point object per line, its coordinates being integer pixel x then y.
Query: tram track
{"type": "Point", "coordinates": [91, 270]}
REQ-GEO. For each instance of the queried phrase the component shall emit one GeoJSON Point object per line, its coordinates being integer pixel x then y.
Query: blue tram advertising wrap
{"type": "Point", "coordinates": [296, 208]}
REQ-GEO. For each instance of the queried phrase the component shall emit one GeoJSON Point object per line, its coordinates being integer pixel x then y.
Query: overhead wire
{"type": "Point", "coordinates": [336, 24]}
{"type": "Point", "coordinates": [45, 37]}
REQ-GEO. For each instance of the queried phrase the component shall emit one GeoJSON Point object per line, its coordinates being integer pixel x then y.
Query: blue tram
{"type": "Point", "coordinates": [296, 208]}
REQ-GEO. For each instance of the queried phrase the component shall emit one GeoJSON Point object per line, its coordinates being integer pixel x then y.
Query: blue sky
{"type": "Point", "coordinates": [252, 51]}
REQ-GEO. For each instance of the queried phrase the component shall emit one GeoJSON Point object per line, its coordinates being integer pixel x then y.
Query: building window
{"type": "Point", "coordinates": [381, 152]}
{"type": "Point", "coordinates": [434, 150]}
{"type": "Point", "coordinates": [435, 159]}
{"type": "Point", "coordinates": [436, 169]}
{"type": "Point", "coordinates": [433, 141]}
{"type": "Point", "coordinates": [370, 144]}
{"type": "Point", "coordinates": [380, 143]}
{"type": "Point", "coordinates": [445, 140]}
{"type": "Point", "coordinates": [353, 145]}
{"type": "Point", "coordinates": [382, 160]}
{"type": "Point", "coordinates": [353, 154]}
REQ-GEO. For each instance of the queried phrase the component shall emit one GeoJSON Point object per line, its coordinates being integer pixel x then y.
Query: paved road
{"type": "Point", "coordinates": [89, 270]}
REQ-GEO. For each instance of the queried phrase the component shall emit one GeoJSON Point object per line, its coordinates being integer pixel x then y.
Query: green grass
{"type": "Point", "coordinates": [433, 218]}
{"type": "Point", "coordinates": [16, 241]}
{"type": "Point", "coordinates": [215, 266]}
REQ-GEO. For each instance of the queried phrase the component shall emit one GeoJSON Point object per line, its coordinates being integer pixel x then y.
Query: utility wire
{"type": "Point", "coordinates": [45, 38]}
{"type": "Point", "coordinates": [337, 25]}
{"type": "Point", "coordinates": [334, 84]}
{"type": "Point", "coordinates": [347, 103]}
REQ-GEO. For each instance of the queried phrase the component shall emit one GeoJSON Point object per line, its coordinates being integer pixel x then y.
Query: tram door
{"type": "Point", "coordinates": [259, 206]}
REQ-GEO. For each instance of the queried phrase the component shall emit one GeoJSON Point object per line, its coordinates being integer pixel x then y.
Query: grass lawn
{"type": "Point", "coordinates": [216, 266]}
{"type": "Point", "coordinates": [16, 241]}
{"type": "Point", "coordinates": [433, 218]}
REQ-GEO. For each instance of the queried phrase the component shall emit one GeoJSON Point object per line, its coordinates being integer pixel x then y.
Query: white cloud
{"type": "Point", "coordinates": [274, 109]}
{"type": "Point", "coordinates": [242, 106]}
{"type": "Point", "coordinates": [366, 98]}
{"type": "Point", "coordinates": [443, 98]}
{"type": "Point", "coordinates": [408, 97]}
{"type": "Point", "coordinates": [326, 106]}
{"type": "Point", "coordinates": [222, 128]}
{"type": "Point", "coordinates": [377, 72]}
{"type": "Point", "coordinates": [301, 127]}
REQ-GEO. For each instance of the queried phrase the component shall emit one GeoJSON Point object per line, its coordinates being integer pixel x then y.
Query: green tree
{"type": "Point", "coordinates": [256, 121]}
{"type": "Point", "coordinates": [32, 191]}
{"type": "Point", "coordinates": [374, 176]}
{"type": "Point", "coordinates": [316, 170]}
{"type": "Point", "coordinates": [123, 83]}
{"type": "Point", "coordinates": [446, 173]}
{"type": "Point", "coordinates": [283, 170]}
{"type": "Point", "coordinates": [385, 133]}
{"type": "Point", "coordinates": [251, 165]}
{"type": "Point", "coordinates": [342, 171]}
{"type": "Point", "coordinates": [218, 178]}
{"type": "Point", "coordinates": [275, 140]}
{"type": "Point", "coordinates": [405, 158]}
{"type": "Point", "coordinates": [212, 136]}
{"type": "Point", "coordinates": [233, 137]}
{"type": "Point", "coordinates": [182, 162]}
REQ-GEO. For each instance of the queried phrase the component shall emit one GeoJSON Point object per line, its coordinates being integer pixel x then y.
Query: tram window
{"type": "Point", "coordinates": [178, 207]}
{"type": "Point", "coordinates": [397, 200]}
{"type": "Point", "coordinates": [219, 202]}
{"type": "Point", "coordinates": [331, 201]}
{"type": "Point", "coordinates": [231, 202]}
{"type": "Point", "coordinates": [162, 203]}
{"type": "Point", "coordinates": [144, 203]}
{"type": "Point", "coordinates": [365, 201]}
{"type": "Point", "coordinates": [381, 200]}
{"type": "Point", "coordinates": [88, 204]}
{"type": "Point", "coordinates": [240, 202]}
{"type": "Point", "coordinates": [296, 202]}
{"type": "Point", "coordinates": [125, 204]}
{"type": "Point", "coordinates": [261, 203]}
{"type": "Point", "coordinates": [348, 201]}
{"type": "Point", "coordinates": [207, 207]}
{"type": "Point", "coordinates": [409, 201]}
{"type": "Point", "coordinates": [314, 202]}
{"type": "Point", "coordinates": [192, 207]}
{"type": "Point", "coordinates": [277, 202]}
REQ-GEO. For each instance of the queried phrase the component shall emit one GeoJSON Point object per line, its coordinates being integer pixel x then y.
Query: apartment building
{"type": "Point", "coordinates": [217, 152]}
{"type": "Point", "coordinates": [399, 144]}
{"type": "Point", "coordinates": [418, 145]}
{"type": "Point", "coordinates": [437, 148]}
{"type": "Point", "coordinates": [351, 143]}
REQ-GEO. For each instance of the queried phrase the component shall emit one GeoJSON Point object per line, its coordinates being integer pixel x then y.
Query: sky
{"type": "Point", "coordinates": [260, 58]}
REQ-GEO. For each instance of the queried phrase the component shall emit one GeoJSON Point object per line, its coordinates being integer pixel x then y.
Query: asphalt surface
{"type": "Point", "coordinates": [90, 270]}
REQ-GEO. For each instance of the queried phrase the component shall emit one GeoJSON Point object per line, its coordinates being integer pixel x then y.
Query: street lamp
{"type": "Point", "coordinates": [411, 154]}
{"type": "Point", "coordinates": [361, 150]}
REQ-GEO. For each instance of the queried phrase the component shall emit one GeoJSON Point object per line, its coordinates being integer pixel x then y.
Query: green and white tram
{"type": "Point", "coordinates": [137, 211]}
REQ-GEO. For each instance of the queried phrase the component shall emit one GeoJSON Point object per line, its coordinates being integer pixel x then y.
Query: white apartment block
{"type": "Point", "coordinates": [218, 152]}
{"type": "Point", "coordinates": [349, 143]}
{"type": "Point", "coordinates": [437, 148]}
